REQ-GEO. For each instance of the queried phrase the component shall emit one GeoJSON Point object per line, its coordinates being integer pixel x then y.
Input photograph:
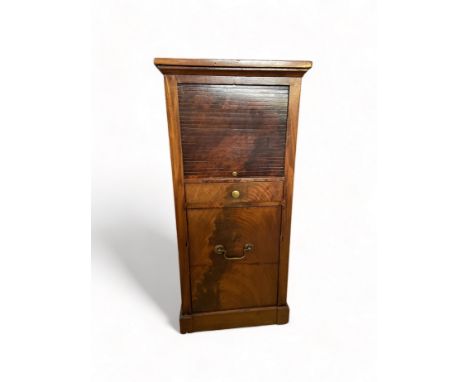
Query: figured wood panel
{"type": "Point", "coordinates": [226, 128]}
{"type": "Point", "coordinates": [218, 283]}
{"type": "Point", "coordinates": [220, 194]}
{"type": "Point", "coordinates": [244, 286]}
{"type": "Point", "coordinates": [234, 227]}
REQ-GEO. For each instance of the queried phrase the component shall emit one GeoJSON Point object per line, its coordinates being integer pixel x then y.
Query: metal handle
{"type": "Point", "coordinates": [220, 250]}
{"type": "Point", "coordinates": [235, 194]}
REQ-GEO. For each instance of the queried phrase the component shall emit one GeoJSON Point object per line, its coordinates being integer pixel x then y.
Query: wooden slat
{"type": "Point", "coordinates": [234, 180]}
{"type": "Point", "coordinates": [226, 128]}
{"type": "Point", "coordinates": [232, 80]}
{"type": "Point", "coordinates": [235, 318]}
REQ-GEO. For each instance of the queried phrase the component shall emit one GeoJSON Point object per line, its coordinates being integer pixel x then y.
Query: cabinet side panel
{"type": "Point", "coordinates": [293, 113]}
{"type": "Point", "coordinates": [172, 105]}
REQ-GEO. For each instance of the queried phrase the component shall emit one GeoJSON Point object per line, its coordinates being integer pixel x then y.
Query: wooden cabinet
{"type": "Point", "coordinates": [232, 129]}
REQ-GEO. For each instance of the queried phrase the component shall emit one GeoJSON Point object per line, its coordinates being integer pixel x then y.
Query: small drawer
{"type": "Point", "coordinates": [222, 194]}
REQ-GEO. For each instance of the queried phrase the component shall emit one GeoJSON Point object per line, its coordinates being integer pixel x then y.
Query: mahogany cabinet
{"type": "Point", "coordinates": [232, 130]}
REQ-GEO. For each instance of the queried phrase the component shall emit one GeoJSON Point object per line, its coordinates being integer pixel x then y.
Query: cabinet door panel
{"type": "Point", "coordinates": [219, 282]}
{"type": "Point", "coordinates": [226, 128]}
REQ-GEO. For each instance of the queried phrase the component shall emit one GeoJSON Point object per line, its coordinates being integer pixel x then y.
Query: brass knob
{"type": "Point", "coordinates": [248, 247]}
{"type": "Point", "coordinates": [220, 250]}
{"type": "Point", "coordinates": [234, 173]}
{"type": "Point", "coordinates": [235, 194]}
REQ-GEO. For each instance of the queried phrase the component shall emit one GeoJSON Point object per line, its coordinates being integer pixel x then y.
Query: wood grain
{"type": "Point", "coordinates": [179, 194]}
{"type": "Point", "coordinates": [220, 194]}
{"type": "Point", "coordinates": [235, 319]}
{"type": "Point", "coordinates": [247, 68]}
{"type": "Point", "coordinates": [218, 283]}
{"type": "Point", "coordinates": [234, 180]}
{"type": "Point", "coordinates": [225, 116]}
{"type": "Point", "coordinates": [285, 64]}
{"type": "Point", "coordinates": [231, 80]}
{"type": "Point", "coordinates": [234, 227]}
{"type": "Point", "coordinates": [241, 286]}
{"type": "Point", "coordinates": [295, 91]}
{"type": "Point", "coordinates": [282, 314]}
{"type": "Point", "coordinates": [226, 128]}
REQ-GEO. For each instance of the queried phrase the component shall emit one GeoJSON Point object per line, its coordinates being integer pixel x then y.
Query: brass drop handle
{"type": "Point", "coordinates": [220, 250]}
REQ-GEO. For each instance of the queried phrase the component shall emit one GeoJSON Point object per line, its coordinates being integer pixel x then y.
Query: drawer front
{"type": "Point", "coordinates": [226, 128]}
{"type": "Point", "coordinates": [233, 257]}
{"type": "Point", "coordinates": [225, 194]}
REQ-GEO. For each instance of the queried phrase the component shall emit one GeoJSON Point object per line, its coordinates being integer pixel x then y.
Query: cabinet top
{"type": "Point", "coordinates": [233, 67]}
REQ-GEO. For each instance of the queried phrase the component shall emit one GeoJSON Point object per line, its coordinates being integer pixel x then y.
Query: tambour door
{"type": "Point", "coordinates": [233, 129]}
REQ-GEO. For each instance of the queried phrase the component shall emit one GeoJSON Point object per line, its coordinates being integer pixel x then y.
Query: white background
{"type": "Point", "coordinates": [333, 267]}
{"type": "Point", "coordinates": [379, 235]}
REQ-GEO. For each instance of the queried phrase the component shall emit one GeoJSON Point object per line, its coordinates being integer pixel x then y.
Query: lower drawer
{"type": "Point", "coordinates": [233, 257]}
